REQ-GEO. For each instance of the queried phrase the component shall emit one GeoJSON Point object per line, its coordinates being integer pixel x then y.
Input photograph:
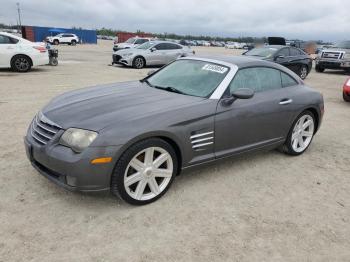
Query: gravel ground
{"type": "Point", "coordinates": [261, 207]}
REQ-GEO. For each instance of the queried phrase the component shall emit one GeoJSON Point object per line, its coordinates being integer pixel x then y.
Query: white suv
{"type": "Point", "coordinates": [20, 54]}
{"type": "Point", "coordinates": [64, 38]}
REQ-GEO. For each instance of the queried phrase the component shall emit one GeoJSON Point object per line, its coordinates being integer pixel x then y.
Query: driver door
{"type": "Point", "coordinates": [256, 122]}
{"type": "Point", "coordinates": [159, 56]}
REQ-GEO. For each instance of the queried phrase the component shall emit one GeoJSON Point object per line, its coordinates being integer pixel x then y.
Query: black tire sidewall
{"type": "Point", "coordinates": [117, 180]}
{"type": "Point", "coordinates": [319, 69]}
{"type": "Point", "coordinates": [56, 42]}
{"type": "Point", "coordinates": [346, 97]}
{"type": "Point", "coordinates": [288, 148]}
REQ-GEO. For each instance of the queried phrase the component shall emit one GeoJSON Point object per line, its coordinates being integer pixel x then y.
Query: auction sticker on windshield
{"type": "Point", "coordinates": [215, 68]}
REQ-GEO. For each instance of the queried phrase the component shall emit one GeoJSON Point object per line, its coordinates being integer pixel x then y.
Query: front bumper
{"type": "Point", "coordinates": [118, 59]}
{"type": "Point", "coordinates": [69, 170]}
{"type": "Point", "coordinates": [333, 63]}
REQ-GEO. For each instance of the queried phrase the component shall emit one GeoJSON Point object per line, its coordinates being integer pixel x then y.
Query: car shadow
{"type": "Point", "coordinates": [10, 72]}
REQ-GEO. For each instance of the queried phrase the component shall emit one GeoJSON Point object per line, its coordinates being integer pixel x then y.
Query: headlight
{"type": "Point", "coordinates": [347, 56]}
{"type": "Point", "coordinates": [128, 54]}
{"type": "Point", "coordinates": [77, 139]}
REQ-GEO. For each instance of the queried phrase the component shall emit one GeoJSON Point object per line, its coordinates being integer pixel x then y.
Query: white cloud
{"type": "Point", "coordinates": [308, 19]}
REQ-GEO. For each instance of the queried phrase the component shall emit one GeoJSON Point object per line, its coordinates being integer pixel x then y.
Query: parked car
{"type": "Point", "coordinates": [151, 53]}
{"type": "Point", "coordinates": [133, 138]}
{"type": "Point", "coordinates": [130, 43]}
{"type": "Point", "coordinates": [20, 54]}
{"type": "Point", "coordinates": [232, 45]}
{"type": "Point", "coordinates": [336, 57]}
{"type": "Point", "coordinates": [293, 58]}
{"type": "Point", "coordinates": [64, 38]}
{"type": "Point", "coordinates": [346, 91]}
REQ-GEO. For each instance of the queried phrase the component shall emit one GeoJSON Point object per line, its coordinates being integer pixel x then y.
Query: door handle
{"type": "Point", "coordinates": [286, 101]}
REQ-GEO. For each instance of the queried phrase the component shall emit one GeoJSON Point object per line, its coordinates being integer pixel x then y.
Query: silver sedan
{"type": "Point", "coordinates": [151, 53]}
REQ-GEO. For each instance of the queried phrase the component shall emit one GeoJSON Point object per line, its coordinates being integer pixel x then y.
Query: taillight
{"type": "Point", "coordinates": [41, 49]}
{"type": "Point", "coordinates": [346, 87]}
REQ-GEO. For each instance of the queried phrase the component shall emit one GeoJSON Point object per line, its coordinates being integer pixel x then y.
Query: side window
{"type": "Point", "coordinates": [162, 46]}
{"type": "Point", "coordinates": [284, 52]}
{"type": "Point", "coordinates": [257, 78]}
{"type": "Point", "coordinates": [140, 41]}
{"type": "Point", "coordinates": [287, 80]}
{"type": "Point", "coordinates": [294, 52]}
{"type": "Point", "coordinates": [7, 40]}
{"type": "Point", "coordinates": [174, 46]}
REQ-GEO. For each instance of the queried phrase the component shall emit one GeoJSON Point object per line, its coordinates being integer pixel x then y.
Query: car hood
{"type": "Point", "coordinates": [332, 49]}
{"type": "Point", "coordinates": [130, 50]}
{"type": "Point", "coordinates": [260, 57]}
{"type": "Point", "coordinates": [124, 45]}
{"type": "Point", "coordinates": [97, 107]}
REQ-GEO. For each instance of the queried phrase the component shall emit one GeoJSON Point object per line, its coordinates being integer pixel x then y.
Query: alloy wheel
{"type": "Point", "coordinates": [148, 173]}
{"type": "Point", "coordinates": [22, 64]}
{"type": "Point", "coordinates": [302, 134]}
{"type": "Point", "coordinates": [303, 72]}
{"type": "Point", "coordinates": [139, 62]}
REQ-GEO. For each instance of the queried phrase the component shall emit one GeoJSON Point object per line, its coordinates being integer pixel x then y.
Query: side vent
{"type": "Point", "coordinates": [202, 140]}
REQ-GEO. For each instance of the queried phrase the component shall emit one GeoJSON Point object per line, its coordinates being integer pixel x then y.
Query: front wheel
{"type": "Point", "coordinates": [346, 97]}
{"type": "Point", "coordinates": [53, 61]}
{"type": "Point", "coordinates": [301, 134]}
{"type": "Point", "coordinates": [138, 62]}
{"type": "Point", "coordinates": [144, 172]}
{"type": "Point", "coordinates": [303, 72]}
{"type": "Point", "coordinates": [73, 42]}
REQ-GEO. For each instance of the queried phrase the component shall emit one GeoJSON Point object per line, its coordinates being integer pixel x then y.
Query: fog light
{"type": "Point", "coordinates": [71, 181]}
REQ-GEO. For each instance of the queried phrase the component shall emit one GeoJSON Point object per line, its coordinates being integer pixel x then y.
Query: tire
{"type": "Point", "coordinates": [138, 62]}
{"type": "Point", "coordinates": [53, 61]}
{"type": "Point", "coordinates": [139, 181]}
{"type": "Point", "coordinates": [319, 69]}
{"type": "Point", "coordinates": [56, 42]}
{"type": "Point", "coordinates": [73, 42]}
{"type": "Point", "coordinates": [293, 145]}
{"type": "Point", "coordinates": [346, 97]}
{"type": "Point", "coordinates": [303, 72]}
{"type": "Point", "coordinates": [21, 63]}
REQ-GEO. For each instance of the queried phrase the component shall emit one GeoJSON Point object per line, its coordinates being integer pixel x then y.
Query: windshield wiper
{"type": "Point", "coordinates": [171, 89]}
{"type": "Point", "coordinates": [147, 82]}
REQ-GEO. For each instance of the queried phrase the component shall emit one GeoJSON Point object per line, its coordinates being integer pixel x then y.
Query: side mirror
{"type": "Point", "coordinates": [279, 57]}
{"type": "Point", "coordinates": [243, 93]}
{"type": "Point", "coordinates": [153, 49]}
{"type": "Point", "coordinates": [151, 72]}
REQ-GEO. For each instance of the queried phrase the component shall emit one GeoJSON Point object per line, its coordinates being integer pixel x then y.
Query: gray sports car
{"type": "Point", "coordinates": [133, 138]}
{"type": "Point", "coordinates": [152, 53]}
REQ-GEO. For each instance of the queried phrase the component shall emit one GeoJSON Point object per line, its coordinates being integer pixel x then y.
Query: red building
{"type": "Point", "coordinates": [123, 36]}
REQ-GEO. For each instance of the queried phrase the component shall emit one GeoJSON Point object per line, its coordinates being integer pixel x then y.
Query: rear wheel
{"type": "Point", "coordinates": [144, 172]}
{"type": "Point", "coordinates": [303, 72]}
{"type": "Point", "coordinates": [73, 42]}
{"type": "Point", "coordinates": [319, 69]}
{"type": "Point", "coordinates": [346, 97]}
{"type": "Point", "coordinates": [21, 63]}
{"type": "Point", "coordinates": [301, 134]}
{"type": "Point", "coordinates": [138, 62]}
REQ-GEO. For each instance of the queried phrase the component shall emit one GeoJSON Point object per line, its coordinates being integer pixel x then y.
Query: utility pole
{"type": "Point", "coordinates": [19, 16]}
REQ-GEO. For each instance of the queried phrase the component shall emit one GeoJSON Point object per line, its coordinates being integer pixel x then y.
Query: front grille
{"type": "Point", "coordinates": [43, 130]}
{"type": "Point", "coordinates": [116, 58]}
{"type": "Point", "coordinates": [334, 55]}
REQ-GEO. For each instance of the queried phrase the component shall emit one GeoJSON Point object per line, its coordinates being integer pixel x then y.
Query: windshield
{"type": "Point", "coordinates": [190, 77]}
{"type": "Point", "coordinates": [262, 52]}
{"type": "Point", "coordinates": [343, 44]}
{"type": "Point", "coordinates": [130, 40]}
{"type": "Point", "coordinates": [146, 45]}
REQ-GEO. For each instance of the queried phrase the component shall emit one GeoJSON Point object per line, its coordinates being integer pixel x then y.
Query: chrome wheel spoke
{"type": "Point", "coordinates": [307, 124]}
{"type": "Point", "coordinates": [152, 183]}
{"type": "Point", "coordinates": [137, 164]}
{"type": "Point", "coordinates": [149, 156]}
{"type": "Point", "coordinates": [159, 172]}
{"type": "Point", "coordinates": [140, 189]}
{"type": "Point", "coordinates": [160, 160]}
{"type": "Point", "coordinates": [306, 134]}
{"type": "Point", "coordinates": [130, 180]}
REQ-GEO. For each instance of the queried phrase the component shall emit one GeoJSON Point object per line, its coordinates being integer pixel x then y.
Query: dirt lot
{"type": "Point", "coordinates": [262, 207]}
